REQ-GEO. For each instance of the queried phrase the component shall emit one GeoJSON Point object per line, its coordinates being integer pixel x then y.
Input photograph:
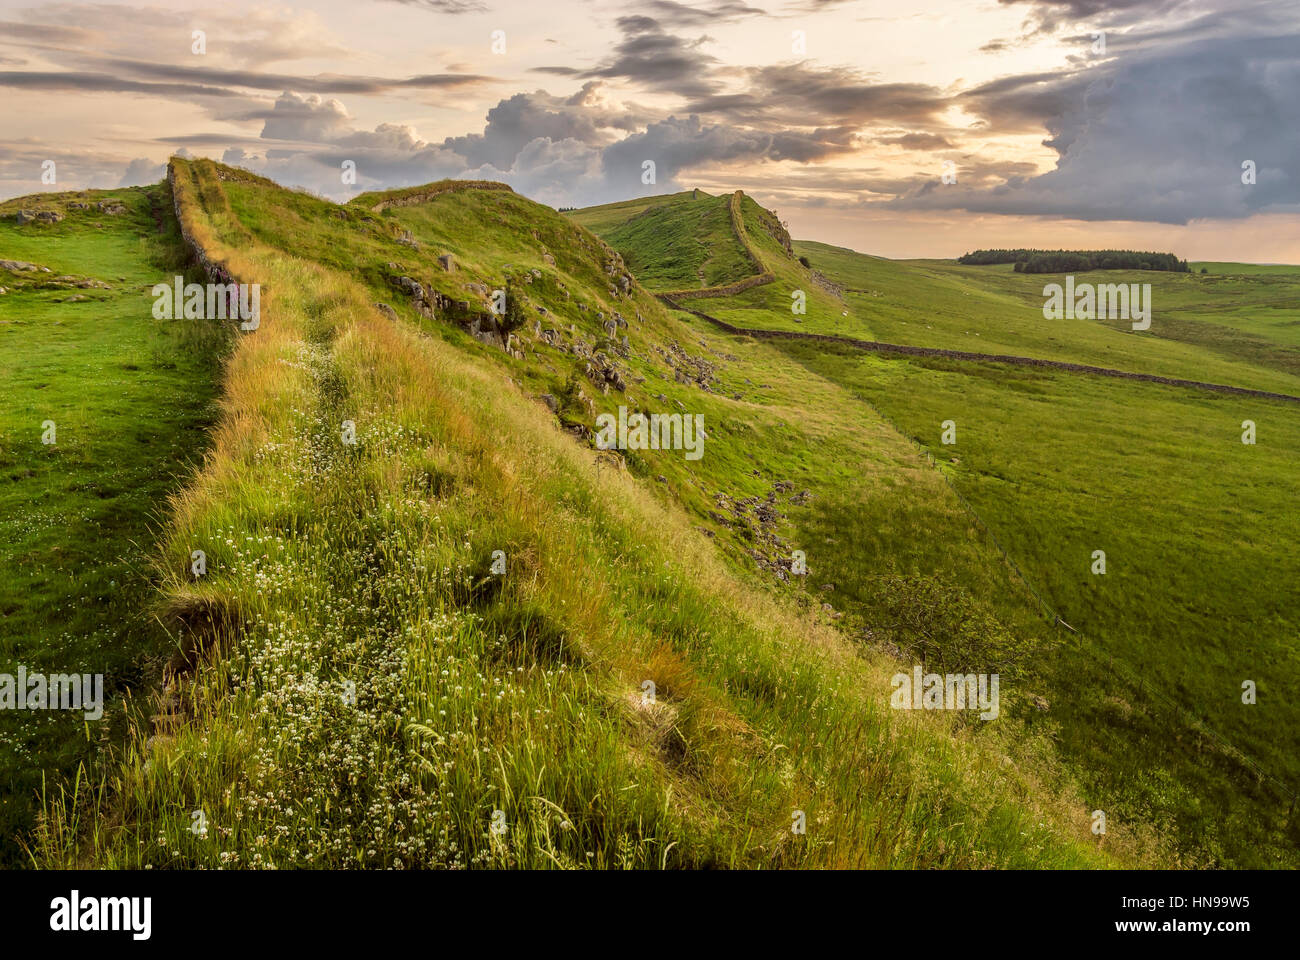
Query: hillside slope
{"type": "Point", "coordinates": [103, 410]}
{"type": "Point", "coordinates": [431, 646]}
{"type": "Point", "coordinates": [1141, 661]}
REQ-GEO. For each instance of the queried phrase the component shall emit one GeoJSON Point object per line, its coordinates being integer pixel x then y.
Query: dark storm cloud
{"type": "Point", "coordinates": [675, 14]}
{"type": "Point", "coordinates": [258, 80]}
{"type": "Point", "coordinates": [654, 58]}
{"type": "Point", "coordinates": [1158, 133]}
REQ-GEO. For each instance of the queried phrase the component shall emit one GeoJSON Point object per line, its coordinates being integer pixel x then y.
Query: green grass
{"type": "Point", "coordinates": [680, 246]}
{"type": "Point", "coordinates": [599, 220]}
{"type": "Point", "coordinates": [1191, 612]}
{"type": "Point", "coordinates": [1199, 594]}
{"type": "Point", "coordinates": [130, 398]}
{"type": "Point", "coordinates": [367, 565]}
{"type": "Point", "coordinates": [1236, 330]}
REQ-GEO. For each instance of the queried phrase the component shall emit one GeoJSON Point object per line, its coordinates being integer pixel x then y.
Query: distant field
{"type": "Point", "coordinates": [1201, 585]}
{"type": "Point", "coordinates": [1247, 269]}
{"type": "Point", "coordinates": [1200, 590]}
{"type": "Point", "coordinates": [131, 398]}
{"type": "Point", "coordinates": [1237, 330]}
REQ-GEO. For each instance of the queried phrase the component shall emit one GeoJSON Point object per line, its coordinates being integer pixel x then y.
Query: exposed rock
{"type": "Point", "coordinates": [551, 402]}
{"type": "Point", "coordinates": [413, 287]}
{"type": "Point", "coordinates": [111, 207]}
{"type": "Point", "coordinates": [44, 216]}
{"type": "Point", "coordinates": [18, 266]}
{"type": "Point", "coordinates": [386, 310]}
{"type": "Point", "coordinates": [447, 262]}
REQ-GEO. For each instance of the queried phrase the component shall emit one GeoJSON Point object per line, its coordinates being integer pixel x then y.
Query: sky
{"type": "Point", "coordinates": [907, 128]}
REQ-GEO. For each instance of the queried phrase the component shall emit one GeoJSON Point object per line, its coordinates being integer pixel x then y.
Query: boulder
{"type": "Point", "coordinates": [20, 266]}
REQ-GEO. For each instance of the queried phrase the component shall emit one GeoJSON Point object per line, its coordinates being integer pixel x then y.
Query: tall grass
{"type": "Point", "coordinates": [360, 690]}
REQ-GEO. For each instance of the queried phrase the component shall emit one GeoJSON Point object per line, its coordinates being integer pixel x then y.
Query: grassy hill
{"type": "Point", "coordinates": [1143, 693]}
{"type": "Point", "coordinates": [430, 647]}
{"type": "Point", "coordinates": [129, 400]}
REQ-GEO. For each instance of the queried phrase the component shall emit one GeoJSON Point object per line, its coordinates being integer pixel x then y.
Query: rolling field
{"type": "Point", "coordinates": [1198, 597]}
{"type": "Point", "coordinates": [363, 689]}
{"type": "Point", "coordinates": [433, 608]}
{"type": "Point", "coordinates": [130, 399]}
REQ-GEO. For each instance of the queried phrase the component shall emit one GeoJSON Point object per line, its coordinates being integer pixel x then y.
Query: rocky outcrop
{"type": "Point", "coordinates": [40, 216]}
{"type": "Point", "coordinates": [22, 266]}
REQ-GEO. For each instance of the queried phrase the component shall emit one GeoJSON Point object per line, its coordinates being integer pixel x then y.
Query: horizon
{"type": "Point", "coordinates": [1040, 123]}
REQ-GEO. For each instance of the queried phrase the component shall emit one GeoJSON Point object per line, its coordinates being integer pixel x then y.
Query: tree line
{"type": "Point", "coordinates": [1076, 261]}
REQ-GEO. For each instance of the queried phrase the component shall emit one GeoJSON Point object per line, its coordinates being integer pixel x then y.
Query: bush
{"type": "Point", "coordinates": [945, 629]}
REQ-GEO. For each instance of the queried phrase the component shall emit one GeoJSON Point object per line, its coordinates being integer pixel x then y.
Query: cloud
{"type": "Point", "coordinates": [1159, 133]}
{"type": "Point", "coordinates": [650, 56]}
{"type": "Point", "coordinates": [519, 120]}
{"type": "Point", "coordinates": [309, 118]}
{"type": "Point", "coordinates": [445, 6]}
{"type": "Point", "coordinates": [142, 171]}
{"type": "Point", "coordinates": [1047, 16]}
{"type": "Point", "coordinates": [699, 15]}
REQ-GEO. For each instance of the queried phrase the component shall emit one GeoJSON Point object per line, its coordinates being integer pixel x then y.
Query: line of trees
{"type": "Point", "coordinates": [1076, 261]}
